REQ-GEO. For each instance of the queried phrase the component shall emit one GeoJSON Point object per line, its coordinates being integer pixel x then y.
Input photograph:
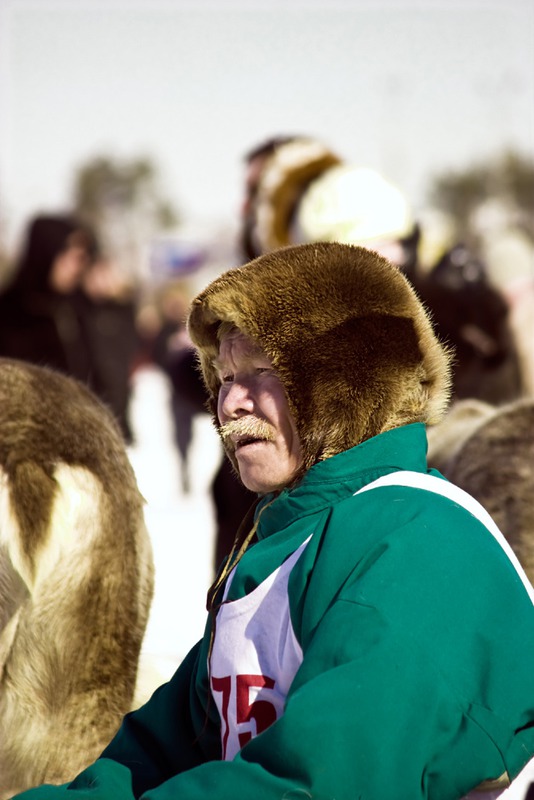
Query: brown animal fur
{"type": "Point", "coordinates": [461, 420]}
{"type": "Point", "coordinates": [76, 577]}
{"type": "Point", "coordinates": [489, 452]}
{"type": "Point", "coordinates": [347, 334]}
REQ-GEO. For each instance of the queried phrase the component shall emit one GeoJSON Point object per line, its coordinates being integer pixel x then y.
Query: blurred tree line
{"type": "Point", "coordinates": [125, 205]}
{"type": "Point", "coordinates": [124, 202]}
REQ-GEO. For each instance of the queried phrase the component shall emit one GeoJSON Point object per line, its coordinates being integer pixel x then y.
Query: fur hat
{"type": "Point", "coordinates": [306, 193]}
{"type": "Point", "coordinates": [351, 342]}
{"type": "Point", "coordinates": [287, 173]}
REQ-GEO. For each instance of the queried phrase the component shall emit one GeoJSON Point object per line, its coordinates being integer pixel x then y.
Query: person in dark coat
{"type": "Point", "coordinates": [38, 318]}
{"type": "Point", "coordinates": [473, 316]}
{"type": "Point", "coordinates": [47, 318]}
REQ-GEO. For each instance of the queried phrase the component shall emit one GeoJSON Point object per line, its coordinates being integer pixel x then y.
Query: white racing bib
{"type": "Point", "coordinates": [254, 658]}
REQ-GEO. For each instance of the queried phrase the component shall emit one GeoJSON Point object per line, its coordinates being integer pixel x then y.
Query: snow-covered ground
{"type": "Point", "coordinates": [183, 536]}
{"type": "Point", "coordinates": [181, 526]}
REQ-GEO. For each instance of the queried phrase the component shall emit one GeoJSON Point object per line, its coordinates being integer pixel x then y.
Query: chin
{"type": "Point", "coordinates": [252, 486]}
{"type": "Point", "coordinates": [262, 486]}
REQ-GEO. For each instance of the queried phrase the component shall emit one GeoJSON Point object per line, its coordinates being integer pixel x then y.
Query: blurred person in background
{"type": "Point", "coordinates": [170, 348]}
{"type": "Point", "coordinates": [255, 161]}
{"type": "Point", "coordinates": [473, 315]}
{"type": "Point", "coordinates": [38, 321]}
{"type": "Point", "coordinates": [58, 310]}
{"type": "Point", "coordinates": [303, 192]}
{"type": "Point", "coordinates": [107, 304]}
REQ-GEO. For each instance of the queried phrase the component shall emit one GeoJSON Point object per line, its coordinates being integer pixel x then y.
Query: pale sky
{"type": "Point", "coordinates": [409, 88]}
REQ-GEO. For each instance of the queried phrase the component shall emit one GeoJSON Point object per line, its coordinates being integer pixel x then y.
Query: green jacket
{"type": "Point", "coordinates": [415, 636]}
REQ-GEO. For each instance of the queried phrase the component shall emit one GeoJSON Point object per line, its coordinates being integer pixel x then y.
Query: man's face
{"type": "Point", "coordinates": [254, 416]}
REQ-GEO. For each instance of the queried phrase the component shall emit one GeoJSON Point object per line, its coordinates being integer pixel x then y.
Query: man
{"type": "Point", "coordinates": [376, 640]}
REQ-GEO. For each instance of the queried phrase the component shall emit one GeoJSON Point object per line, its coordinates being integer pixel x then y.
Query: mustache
{"type": "Point", "coordinates": [252, 427]}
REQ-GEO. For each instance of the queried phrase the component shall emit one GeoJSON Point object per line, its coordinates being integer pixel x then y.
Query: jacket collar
{"type": "Point", "coordinates": [338, 477]}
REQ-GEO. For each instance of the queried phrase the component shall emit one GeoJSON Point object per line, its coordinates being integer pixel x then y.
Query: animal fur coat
{"type": "Point", "coordinates": [489, 452]}
{"type": "Point", "coordinates": [76, 577]}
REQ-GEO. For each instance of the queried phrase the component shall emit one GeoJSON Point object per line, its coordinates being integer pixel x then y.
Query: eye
{"type": "Point", "coordinates": [228, 378]}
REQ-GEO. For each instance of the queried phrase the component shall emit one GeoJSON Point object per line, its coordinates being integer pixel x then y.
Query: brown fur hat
{"type": "Point", "coordinates": [351, 342]}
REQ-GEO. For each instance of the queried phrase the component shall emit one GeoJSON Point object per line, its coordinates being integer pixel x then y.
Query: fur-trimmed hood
{"type": "Point", "coordinates": [351, 342]}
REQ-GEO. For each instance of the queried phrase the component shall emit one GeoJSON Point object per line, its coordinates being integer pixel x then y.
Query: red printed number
{"type": "Point", "coordinates": [224, 686]}
{"type": "Point", "coordinates": [261, 711]}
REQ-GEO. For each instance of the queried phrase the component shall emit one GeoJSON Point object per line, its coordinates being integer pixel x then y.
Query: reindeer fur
{"type": "Point", "coordinates": [76, 577]}
{"type": "Point", "coordinates": [489, 451]}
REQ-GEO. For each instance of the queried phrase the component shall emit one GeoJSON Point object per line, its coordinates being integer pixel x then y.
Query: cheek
{"type": "Point", "coordinates": [278, 411]}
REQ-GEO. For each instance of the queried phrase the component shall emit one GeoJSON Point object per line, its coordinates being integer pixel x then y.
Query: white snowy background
{"type": "Point", "coordinates": [181, 526]}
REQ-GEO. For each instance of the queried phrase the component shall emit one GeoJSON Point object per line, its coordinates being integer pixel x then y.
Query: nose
{"type": "Point", "coordinates": [235, 400]}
